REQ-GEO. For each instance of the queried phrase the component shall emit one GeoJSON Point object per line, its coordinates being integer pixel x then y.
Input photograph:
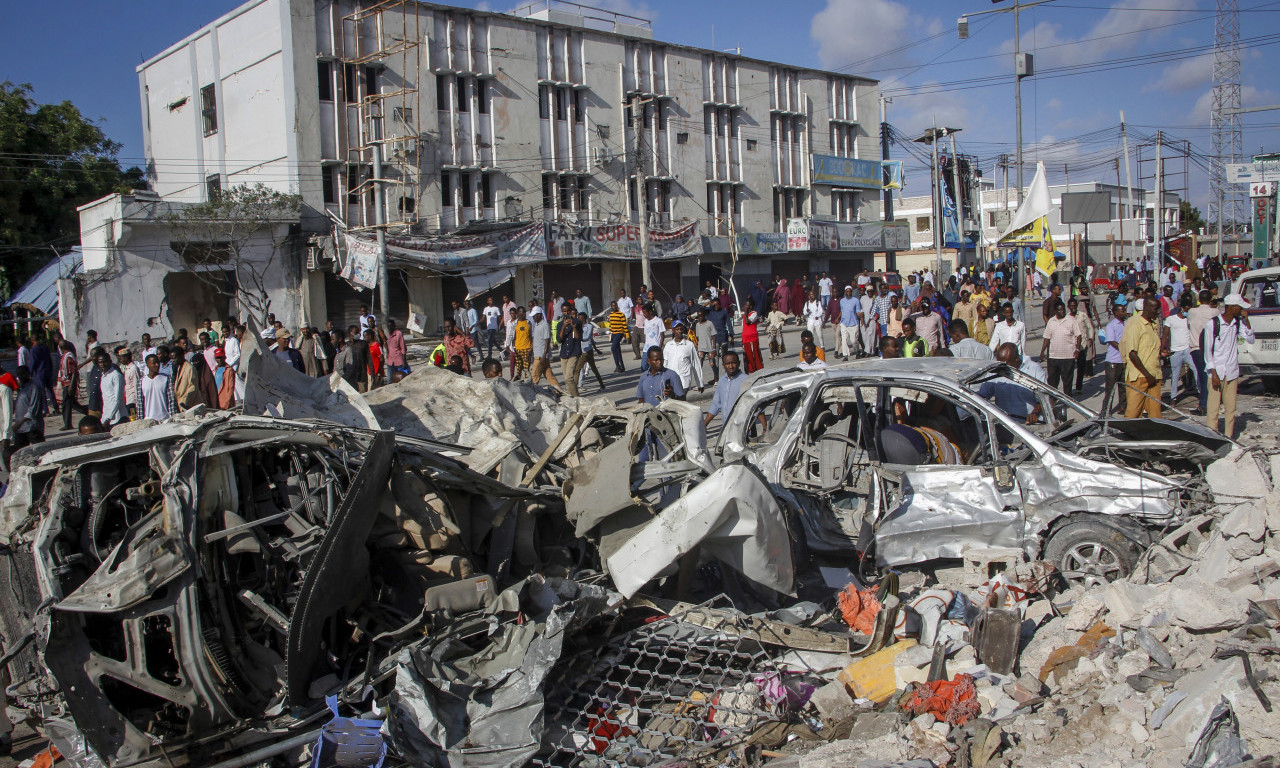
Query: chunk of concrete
{"type": "Point", "coordinates": [1200, 692]}
{"type": "Point", "coordinates": [1085, 612]}
{"type": "Point", "coordinates": [873, 725]}
{"type": "Point", "coordinates": [1237, 477]}
{"type": "Point", "coordinates": [830, 698]}
{"type": "Point", "coordinates": [1201, 606]}
{"type": "Point", "coordinates": [1126, 601]}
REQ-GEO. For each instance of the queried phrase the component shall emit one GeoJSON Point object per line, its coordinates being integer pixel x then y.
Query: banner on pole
{"type": "Point", "coordinates": [484, 251]}
{"type": "Point", "coordinates": [361, 267]}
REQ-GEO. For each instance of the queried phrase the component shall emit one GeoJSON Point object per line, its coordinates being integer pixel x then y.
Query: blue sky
{"type": "Point", "coordinates": [1150, 58]}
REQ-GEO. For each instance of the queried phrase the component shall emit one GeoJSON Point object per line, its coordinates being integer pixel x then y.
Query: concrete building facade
{"type": "Point", "coordinates": [494, 117]}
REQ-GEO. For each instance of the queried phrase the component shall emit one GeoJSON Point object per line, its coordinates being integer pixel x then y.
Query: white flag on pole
{"type": "Point", "coordinates": [1035, 205]}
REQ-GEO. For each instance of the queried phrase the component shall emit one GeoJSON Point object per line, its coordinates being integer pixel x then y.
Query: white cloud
{"type": "Point", "coordinates": [1118, 31]}
{"type": "Point", "coordinates": [1249, 95]}
{"type": "Point", "coordinates": [1188, 75]}
{"type": "Point", "coordinates": [851, 31]}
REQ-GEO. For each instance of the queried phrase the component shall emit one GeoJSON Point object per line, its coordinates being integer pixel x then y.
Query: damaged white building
{"type": "Point", "coordinates": [483, 119]}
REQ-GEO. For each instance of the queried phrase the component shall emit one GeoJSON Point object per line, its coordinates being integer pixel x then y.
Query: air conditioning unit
{"type": "Point", "coordinates": [601, 156]}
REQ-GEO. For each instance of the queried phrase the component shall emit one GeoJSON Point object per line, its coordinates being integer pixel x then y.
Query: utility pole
{"type": "Point", "coordinates": [1157, 218]}
{"type": "Point", "coordinates": [955, 190]}
{"type": "Point", "coordinates": [1121, 255]}
{"type": "Point", "coordinates": [1066, 171]}
{"type": "Point", "coordinates": [937, 199]}
{"type": "Point", "coordinates": [890, 257]}
{"type": "Point", "coordinates": [380, 218]}
{"type": "Point", "coordinates": [642, 188]}
{"type": "Point", "coordinates": [1022, 65]}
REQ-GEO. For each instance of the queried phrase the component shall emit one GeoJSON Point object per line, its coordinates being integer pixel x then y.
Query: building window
{"type": "Point", "coordinates": [486, 190]}
{"type": "Point", "coordinates": [682, 138]}
{"type": "Point", "coordinates": [584, 193]}
{"type": "Point", "coordinates": [460, 84]}
{"type": "Point", "coordinates": [548, 194]}
{"type": "Point", "coordinates": [213, 187]}
{"type": "Point", "coordinates": [922, 223]}
{"type": "Point", "coordinates": [329, 186]}
{"type": "Point", "coordinates": [324, 73]}
{"type": "Point", "coordinates": [544, 102]}
{"type": "Point", "coordinates": [466, 191]}
{"type": "Point", "coordinates": [402, 114]}
{"type": "Point", "coordinates": [751, 145]}
{"type": "Point", "coordinates": [407, 205]}
{"type": "Point", "coordinates": [351, 83]}
{"type": "Point", "coordinates": [579, 107]}
{"type": "Point", "coordinates": [371, 81]}
{"type": "Point", "coordinates": [209, 109]}
{"type": "Point", "coordinates": [442, 93]}
{"type": "Point", "coordinates": [482, 96]}
{"type": "Point", "coordinates": [562, 104]}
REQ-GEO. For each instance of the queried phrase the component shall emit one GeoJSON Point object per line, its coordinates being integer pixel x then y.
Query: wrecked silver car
{"type": "Point", "coordinates": [911, 460]}
{"type": "Point", "coordinates": [192, 589]}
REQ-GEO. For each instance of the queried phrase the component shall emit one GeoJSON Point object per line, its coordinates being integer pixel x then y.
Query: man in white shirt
{"type": "Point", "coordinates": [1010, 330]}
{"type": "Point", "coordinates": [367, 322]}
{"type": "Point", "coordinates": [1221, 348]}
{"type": "Point", "coordinates": [824, 289]}
{"type": "Point", "coordinates": [1200, 316]}
{"type": "Point", "coordinates": [155, 393]}
{"type": "Point", "coordinates": [148, 349]}
{"type": "Point", "coordinates": [681, 355]}
{"type": "Point", "coordinates": [809, 358]}
{"type": "Point", "coordinates": [654, 329]}
{"type": "Point", "coordinates": [1176, 339]}
{"type": "Point", "coordinates": [492, 324]}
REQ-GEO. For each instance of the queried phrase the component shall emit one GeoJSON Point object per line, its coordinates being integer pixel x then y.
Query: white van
{"type": "Point", "coordinates": [1261, 288]}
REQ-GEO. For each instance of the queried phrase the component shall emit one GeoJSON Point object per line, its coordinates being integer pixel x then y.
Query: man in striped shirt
{"type": "Point", "coordinates": [618, 330]}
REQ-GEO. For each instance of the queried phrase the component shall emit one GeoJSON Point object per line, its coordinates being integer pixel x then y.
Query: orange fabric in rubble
{"type": "Point", "coordinates": [952, 701]}
{"type": "Point", "coordinates": [859, 608]}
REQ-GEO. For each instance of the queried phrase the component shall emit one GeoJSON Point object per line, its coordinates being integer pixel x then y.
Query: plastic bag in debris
{"type": "Point", "coordinates": [1001, 592]}
{"type": "Point", "coordinates": [859, 608]}
{"type": "Point", "coordinates": [786, 693]}
{"type": "Point", "coordinates": [1219, 744]}
{"type": "Point", "coordinates": [953, 701]}
{"type": "Point", "coordinates": [347, 742]}
{"type": "Point", "coordinates": [935, 615]}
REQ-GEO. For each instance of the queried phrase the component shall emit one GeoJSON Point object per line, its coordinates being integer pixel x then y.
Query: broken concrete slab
{"type": "Point", "coordinates": [1202, 606]}
{"type": "Point", "coordinates": [1086, 611]}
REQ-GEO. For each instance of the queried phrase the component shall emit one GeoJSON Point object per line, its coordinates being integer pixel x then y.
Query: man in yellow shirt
{"type": "Point", "coordinates": [1140, 348]}
{"type": "Point", "coordinates": [522, 346]}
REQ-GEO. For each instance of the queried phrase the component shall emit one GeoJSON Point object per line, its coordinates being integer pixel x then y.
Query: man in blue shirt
{"type": "Point", "coordinates": [850, 342]}
{"type": "Point", "coordinates": [911, 291]}
{"type": "Point", "coordinates": [1013, 398]}
{"type": "Point", "coordinates": [720, 319]}
{"type": "Point", "coordinates": [727, 389]}
{"type": "Point", "coordinates": [1115, 362]}
{"type": "Point", "coordinates": [659, 383]}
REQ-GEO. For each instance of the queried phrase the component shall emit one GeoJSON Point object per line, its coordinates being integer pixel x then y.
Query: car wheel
{"type": "Point", "coordinates": [1271, 384]}
{"type": "Point", "coordinates": [1090, 553]}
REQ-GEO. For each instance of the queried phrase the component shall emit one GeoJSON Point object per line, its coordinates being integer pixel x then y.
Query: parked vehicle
{"type": "Point", "coordinates": [1261, 288]}
{"type": "Point", "coordinates": [1105, 277]}
{"type": "Point", "coordinates": [1236, 266]}
{"type": "Point", "coordinates": [907, 461]}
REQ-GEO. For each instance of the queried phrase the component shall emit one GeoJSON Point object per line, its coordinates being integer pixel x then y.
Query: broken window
{"type": "Point", "coordinates": [203, 254]}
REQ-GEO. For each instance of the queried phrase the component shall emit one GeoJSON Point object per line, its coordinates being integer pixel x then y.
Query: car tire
{"type": "Point", "coordinates": [1271, 385]}
{"type": "Point", "coordinates": [1091, 553]}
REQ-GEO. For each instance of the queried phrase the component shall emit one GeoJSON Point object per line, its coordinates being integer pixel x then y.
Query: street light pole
{"type": "Point", "coordinates": [1017, 87]}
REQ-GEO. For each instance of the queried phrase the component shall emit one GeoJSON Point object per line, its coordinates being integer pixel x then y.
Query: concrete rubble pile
{"type": "Point", "coordinates": [455, 572]}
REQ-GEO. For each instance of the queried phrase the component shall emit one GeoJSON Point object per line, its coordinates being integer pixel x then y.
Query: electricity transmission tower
{"type": "Point", "coordinates": [1226, 204]}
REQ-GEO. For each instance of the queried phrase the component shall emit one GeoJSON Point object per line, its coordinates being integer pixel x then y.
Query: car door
{"type": "Point", "coordinates": [938, 510]}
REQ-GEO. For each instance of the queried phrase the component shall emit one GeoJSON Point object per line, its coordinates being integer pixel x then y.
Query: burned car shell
{"type": "Point", "coordinates": [930, 511]}
{"type": "Point", "coordinates": [174, 635]}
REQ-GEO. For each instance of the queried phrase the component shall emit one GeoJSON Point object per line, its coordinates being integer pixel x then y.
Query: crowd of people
{"type": "Point", "coordinates": [1160, 325]}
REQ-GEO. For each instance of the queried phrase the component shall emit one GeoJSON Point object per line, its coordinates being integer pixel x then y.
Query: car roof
{"type": "Point", "coordinates": [1264, 272]}
{"type": "Point", "coordinates": [949, 368]}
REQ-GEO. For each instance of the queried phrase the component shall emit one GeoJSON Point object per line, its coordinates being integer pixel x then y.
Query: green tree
{"type": "Point", "coordinates": [244, 233]}
{"type": "Point", "coordinates": [54, 159]}
{"type": "Point", "coordinates": [1191, 218]}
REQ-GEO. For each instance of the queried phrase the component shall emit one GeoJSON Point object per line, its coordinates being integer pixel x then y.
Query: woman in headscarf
{"type": "Point", "coordinates": [797, 296]}
{"type": "Point", "coordinates": [782, 296]}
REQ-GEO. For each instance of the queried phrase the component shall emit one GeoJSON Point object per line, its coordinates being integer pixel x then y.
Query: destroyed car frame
{"type": "Point", "coordinates": [903, 462]}
{"type": "Point", "coordinates": [194, 589]}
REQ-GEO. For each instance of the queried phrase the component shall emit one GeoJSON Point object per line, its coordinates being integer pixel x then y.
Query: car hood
{"type": "Point", "coordinates": [1138, 442]}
